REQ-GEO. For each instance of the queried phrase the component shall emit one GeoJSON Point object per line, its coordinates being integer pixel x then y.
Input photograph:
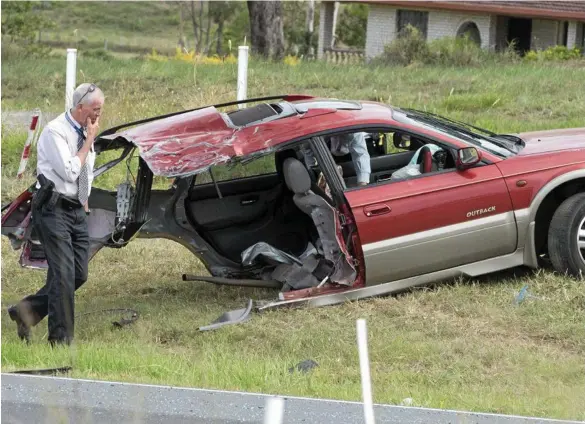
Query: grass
{"type": "Point", "coordinates": [122, 24]}
{"type": "Point", "coordinates": [463, 345]}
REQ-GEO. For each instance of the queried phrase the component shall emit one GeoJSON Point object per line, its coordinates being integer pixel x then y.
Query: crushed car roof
{"type": "Point", "coordinates": [190, 142]}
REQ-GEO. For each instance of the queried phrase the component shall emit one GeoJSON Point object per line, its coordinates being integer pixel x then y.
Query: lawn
{"type": "Point", "coordinates": [462, 345]}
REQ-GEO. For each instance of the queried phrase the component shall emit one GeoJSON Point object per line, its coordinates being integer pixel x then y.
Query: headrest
{"type": "Point", "coordinates": [296, 176]}
{"type": "Point", "coordinates": [280, 156]}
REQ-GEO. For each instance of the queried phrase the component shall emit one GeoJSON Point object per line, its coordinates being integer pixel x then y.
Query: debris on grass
{"type": "Point", "coordinates": [304, 366]}
{"type": "Point", "coordinates": [523, 294]}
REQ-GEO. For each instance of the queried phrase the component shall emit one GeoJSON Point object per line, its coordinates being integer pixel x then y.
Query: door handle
{"type": "Point", "coordinates": [384, 177]}
{"type": "Point", "coordinates": [249, 200]}
{"type": "Point", "coordinates": [379, 209]}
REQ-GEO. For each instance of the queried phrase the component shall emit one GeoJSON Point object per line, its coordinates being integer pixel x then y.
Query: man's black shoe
{"type": "Point", "coordinates": [66, 341]}
{"type": "Point", "coordinates": [22, 328]}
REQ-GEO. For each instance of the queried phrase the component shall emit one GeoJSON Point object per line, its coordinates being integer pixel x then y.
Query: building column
{"type": "Point", "coordinates": [575, 35]}
{"type": "Point", "coordinates": [490, 41]}
{"type": "Point", "coordinates": [325, 27]}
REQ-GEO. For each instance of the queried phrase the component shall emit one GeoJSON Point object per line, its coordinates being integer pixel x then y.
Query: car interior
{"type": "Point", "coordinates": [282, 214]}
{"type": "Point", "coordinates": [241, 212]}
{"type": "Point", "coordinates": [234, 214]}
{"type": "Point", "coordinates": [390, 152]}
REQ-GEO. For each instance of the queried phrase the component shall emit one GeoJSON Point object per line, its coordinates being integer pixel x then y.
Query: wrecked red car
{"type": "Point", "coordinates": [443, 198]}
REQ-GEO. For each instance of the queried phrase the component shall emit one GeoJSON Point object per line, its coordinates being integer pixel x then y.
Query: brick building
{"type": "Point", "coordinates": [534, 25]}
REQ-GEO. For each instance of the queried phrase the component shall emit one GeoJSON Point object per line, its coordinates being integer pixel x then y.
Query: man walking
{"type": "Point", "coordinates": [65, 157]}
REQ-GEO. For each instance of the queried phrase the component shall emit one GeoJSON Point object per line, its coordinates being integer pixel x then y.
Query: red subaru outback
{"type": "Point", "coordinates": [328, 200]}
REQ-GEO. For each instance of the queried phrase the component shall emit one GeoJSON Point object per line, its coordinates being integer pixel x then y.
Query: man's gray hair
{"type": "Point", "coordinates": [82, 93]}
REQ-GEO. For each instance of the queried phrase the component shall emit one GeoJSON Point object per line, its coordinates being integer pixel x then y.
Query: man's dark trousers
{"type": "Point", "coordinates": [62, 230]}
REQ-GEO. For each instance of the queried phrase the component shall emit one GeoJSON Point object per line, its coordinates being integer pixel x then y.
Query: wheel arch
{"type": "Point", "coordinates": [573, 177]}
{"type": "Point", "coordinates": [545, 203]}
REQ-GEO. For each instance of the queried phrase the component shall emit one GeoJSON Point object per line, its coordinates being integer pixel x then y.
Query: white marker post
{"type": "Point", "coordinates": [362, 339]}
{"type": "Point", "coordinates": [274, 410]}
{"type": "Point", "coordinates": [242, 74]}
{"type": "Point", "coordinates": [70, 77]}
{"type": "Point", "coordinates": [29, 139]}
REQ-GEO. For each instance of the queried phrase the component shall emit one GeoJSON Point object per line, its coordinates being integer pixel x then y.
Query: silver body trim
{"type": "Point", "coordinates": [469, 270]}
{"type": "Point", "coordinates": [440, 248]}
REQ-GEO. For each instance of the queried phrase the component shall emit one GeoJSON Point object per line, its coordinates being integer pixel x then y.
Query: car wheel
{"type": "Point", "coordinates": [566, 237]}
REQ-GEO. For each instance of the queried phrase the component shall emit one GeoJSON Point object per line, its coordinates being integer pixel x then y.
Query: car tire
{"type": "Point", "coordinates": [563, 236]}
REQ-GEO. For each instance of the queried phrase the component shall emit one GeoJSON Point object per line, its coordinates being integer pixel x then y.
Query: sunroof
{"type": "Point", "coordinates": [327, 104]}
{"type": "Point", "coordinates": [260, 113]}
{"type": "Point", "coordinates": [246, 116]}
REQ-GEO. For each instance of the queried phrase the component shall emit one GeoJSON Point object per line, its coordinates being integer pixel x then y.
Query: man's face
{"type": "Point", "coordinates": [92, 110]}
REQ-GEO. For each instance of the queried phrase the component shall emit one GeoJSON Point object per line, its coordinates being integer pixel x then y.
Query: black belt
{"type": "Point", "coordinates": [67, 203]}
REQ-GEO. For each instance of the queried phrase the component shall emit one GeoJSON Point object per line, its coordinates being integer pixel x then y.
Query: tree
{"type": "Point", "coordinates": [309, 25]}
{"type": "Point", "coordinates": [353, 21]}
{"type": "Point", "coordinates": [266, 28]}
{"type": "Point", "coordinates": [197, 21]}
{"type": "Point", "coordinates": [21, 22]}
{"type": "Point", "coordinates": [220, 12]}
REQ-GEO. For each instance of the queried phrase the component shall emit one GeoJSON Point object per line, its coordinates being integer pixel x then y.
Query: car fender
{"type": "Point", "coordinates": [530, 257]}
{"type": "Point", "coordinates": [549, 187]}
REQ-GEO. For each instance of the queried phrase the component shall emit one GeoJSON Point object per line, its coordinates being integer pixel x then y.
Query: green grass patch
{"type": "Point", "coordinates": [460, 346]}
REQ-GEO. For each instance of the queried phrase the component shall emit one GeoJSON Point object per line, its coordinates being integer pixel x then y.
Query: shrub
{"type": "Point", "coordinates": [554, 53]}
{"type": "Point", "coordinates": [411, 48]}
{"type": "Point", "coordinates": [456, 51]}
{"type": "Point", "coordinates": [98, 54]}
{"type": "Point", "coordinates": [408, 48]}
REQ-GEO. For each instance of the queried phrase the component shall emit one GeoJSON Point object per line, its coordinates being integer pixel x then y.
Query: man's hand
{"type": "Point", "coordinates": [92, 129]}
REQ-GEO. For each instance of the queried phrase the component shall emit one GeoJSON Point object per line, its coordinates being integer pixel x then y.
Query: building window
{"type": "Point", "coordinates": [563, 35]}
{"type": "Point", "coordinates": [419, 20]}
{"type": "Point", "coordinates": [470, 30]}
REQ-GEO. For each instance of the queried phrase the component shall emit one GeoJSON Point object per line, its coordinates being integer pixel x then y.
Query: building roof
{"type": "Point", "coordinates": [569, 10]}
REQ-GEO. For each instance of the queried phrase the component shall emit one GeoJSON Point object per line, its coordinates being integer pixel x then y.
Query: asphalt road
{"type": "Point", "coordinates": [35, 399]}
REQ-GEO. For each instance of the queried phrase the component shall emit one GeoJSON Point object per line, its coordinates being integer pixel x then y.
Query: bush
{"type": "Point", "coordinates": [554, 53]}
{"type": "Point", "coordinates": [408, 48]}
{"type": "Point", "coordinates": [98, 54]}
{"type": "Point", "coordinates": [456, 52]}
{"type": "Point", "coordinates": [411, 48]}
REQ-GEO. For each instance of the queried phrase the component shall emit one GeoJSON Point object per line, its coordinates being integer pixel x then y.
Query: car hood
{"type": "Point", "coordinates": [552, 140]}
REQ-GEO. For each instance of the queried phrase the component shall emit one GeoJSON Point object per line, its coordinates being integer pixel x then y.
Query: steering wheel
{"type": "Point", "coordinates": [425, 159]}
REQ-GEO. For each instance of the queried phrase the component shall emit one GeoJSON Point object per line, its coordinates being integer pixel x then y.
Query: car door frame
{"type": "Point", "coordinates": [466, 231]}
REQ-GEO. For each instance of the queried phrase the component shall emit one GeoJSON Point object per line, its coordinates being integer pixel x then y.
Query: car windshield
{"type": "Point", "coordinates": [497, 144]}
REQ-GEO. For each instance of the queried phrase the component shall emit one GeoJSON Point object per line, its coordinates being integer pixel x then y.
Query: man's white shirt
{"type": "Point", "coordinates": [57, 156]}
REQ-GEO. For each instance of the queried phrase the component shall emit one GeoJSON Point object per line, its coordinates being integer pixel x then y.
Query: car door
{"type": "Point", "coordinates": [433, 222]}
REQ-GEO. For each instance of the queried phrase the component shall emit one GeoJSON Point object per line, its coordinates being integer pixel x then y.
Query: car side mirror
{"type": "Point", "coordinates": [467, 158]}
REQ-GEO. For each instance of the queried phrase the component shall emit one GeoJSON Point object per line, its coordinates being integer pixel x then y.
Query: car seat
{"type": "Point", "coordinates": [323, 214]}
